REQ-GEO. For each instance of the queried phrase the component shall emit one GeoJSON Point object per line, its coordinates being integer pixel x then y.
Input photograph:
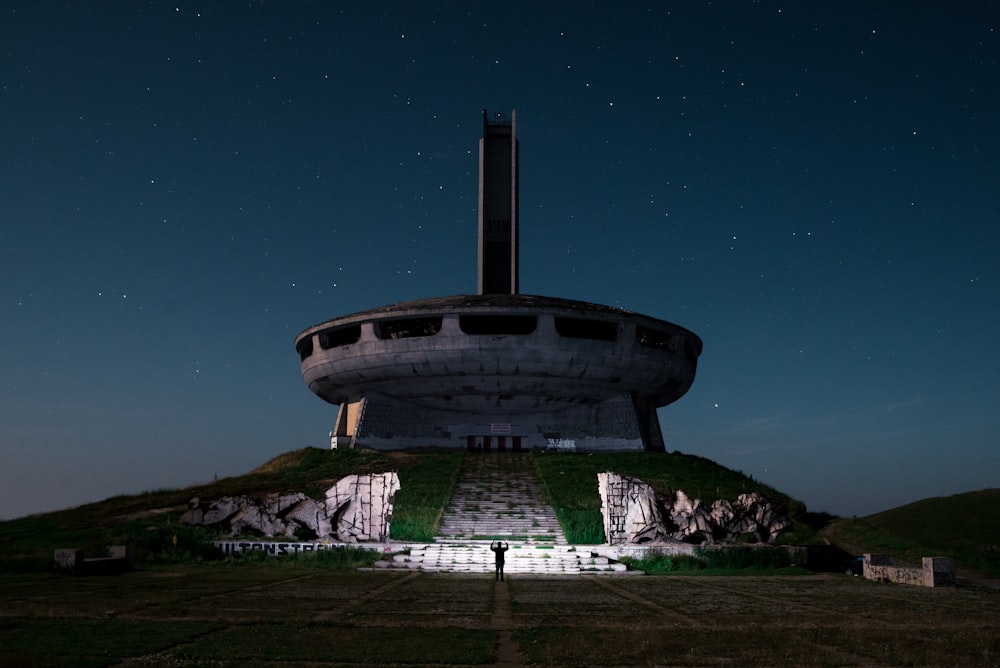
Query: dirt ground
{"type": "Point", "coordinates": [271, 616]}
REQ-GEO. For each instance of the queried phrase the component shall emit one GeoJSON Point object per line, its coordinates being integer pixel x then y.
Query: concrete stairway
{"type": "Point", "coordinates": [498, 497]}
{"type": "Point", "coordinates": [475, 557]}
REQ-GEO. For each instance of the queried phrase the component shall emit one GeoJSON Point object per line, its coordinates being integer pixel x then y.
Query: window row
{"type": "Point", "coordinates": [487, 325]}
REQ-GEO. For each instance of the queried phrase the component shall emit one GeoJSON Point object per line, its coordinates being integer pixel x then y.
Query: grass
{"type": "Point", "coordinates": [91, 642]}
{"type": "Point", "coordinates": [425, 485]}
{"type": "Point", "coordinates": [965, 527]}
{"type": "Point", "coordinates": [737, 560]}
{"type": "Point", "coordinates": [149, 521]}
{"type": "Point", "coordinates": [266, 615]}
{"type": "Point", "coordinates": [349, 644]}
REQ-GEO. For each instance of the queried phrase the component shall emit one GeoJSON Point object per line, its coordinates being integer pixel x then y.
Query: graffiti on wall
{"type": "Point", "coordinates": [236, 547]}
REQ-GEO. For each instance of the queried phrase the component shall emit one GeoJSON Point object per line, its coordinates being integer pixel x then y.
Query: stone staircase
{"type": "Point", "coordinates": [498, 497]}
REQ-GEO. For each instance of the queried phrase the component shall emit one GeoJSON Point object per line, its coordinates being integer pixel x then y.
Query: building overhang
{"type": "Point", "coordinates": [498, 354]}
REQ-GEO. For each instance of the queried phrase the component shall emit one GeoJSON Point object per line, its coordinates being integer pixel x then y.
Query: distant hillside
{"type": "Point", "coordinates": [964, 526]}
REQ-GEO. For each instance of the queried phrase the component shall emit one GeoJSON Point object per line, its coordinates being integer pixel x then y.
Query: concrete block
{"type": "Point", "coordinates": [69, 559]}
{"type": "Point", "coordinates": [121, 552]}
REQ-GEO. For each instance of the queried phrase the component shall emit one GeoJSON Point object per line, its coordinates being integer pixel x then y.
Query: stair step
{"type": "Point", "coordinates": [499, 496]}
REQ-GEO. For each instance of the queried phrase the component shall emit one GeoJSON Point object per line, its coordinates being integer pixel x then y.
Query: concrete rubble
{"type": "Point", "coordinates": [357, 508]}
{"type": "Point", "coordinates": [635, 514]}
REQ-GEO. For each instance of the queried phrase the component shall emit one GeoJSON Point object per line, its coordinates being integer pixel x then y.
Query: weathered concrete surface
{"type": "Point", "coordinates": [635, 514]}
{"type": "Point", "coordinates": [357, 508]}
{"type": "Point", "coordinates": [68, 560]}
{"type": "Point", "coordinates": [437, 371]}
{"type": "Point", "coordinates": [71, 560]}
{"type": "Point", "coordinates": [934, 571]}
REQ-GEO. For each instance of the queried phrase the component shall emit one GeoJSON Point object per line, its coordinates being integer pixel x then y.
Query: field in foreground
{"type": "Point", "coordinates": [265, 615]}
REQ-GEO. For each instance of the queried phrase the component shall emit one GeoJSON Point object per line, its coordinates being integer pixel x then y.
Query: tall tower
{"type": "Point", "coordinates": [498, 235]}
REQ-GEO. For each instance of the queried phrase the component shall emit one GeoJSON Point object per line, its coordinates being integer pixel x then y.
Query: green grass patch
{"type": "Point", "coordinates": [736, 560]}
{"type": "Point", "coordinates": [425, 485]}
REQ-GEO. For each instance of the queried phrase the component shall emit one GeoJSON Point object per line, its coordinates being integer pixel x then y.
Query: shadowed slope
{"type": "Point", "coordinates": [963, 526]}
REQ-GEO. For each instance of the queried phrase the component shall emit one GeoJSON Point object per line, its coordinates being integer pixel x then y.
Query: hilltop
{"type": "Point", "coordinates": [954, 526]}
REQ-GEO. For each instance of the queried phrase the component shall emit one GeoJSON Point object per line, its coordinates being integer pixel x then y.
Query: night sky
{"type": "Point", "coordinates": [811, 187]}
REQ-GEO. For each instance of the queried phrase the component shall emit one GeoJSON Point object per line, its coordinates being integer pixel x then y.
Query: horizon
{"type": "Point", "coordinates": [809, 189]}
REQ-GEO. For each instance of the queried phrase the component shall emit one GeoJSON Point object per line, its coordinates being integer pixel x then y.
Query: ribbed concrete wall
{"type": "Point", "coordinates": [578, 375]}
{"type": "Point", "coordinates": [390, 424]}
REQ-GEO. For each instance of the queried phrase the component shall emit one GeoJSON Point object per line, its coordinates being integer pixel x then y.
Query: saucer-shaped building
{"type": "Point", "coordinates": [498, 370]}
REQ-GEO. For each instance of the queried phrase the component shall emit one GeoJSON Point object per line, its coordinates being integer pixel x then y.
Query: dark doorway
{"type": "Point", "coordinates": [487, 443]}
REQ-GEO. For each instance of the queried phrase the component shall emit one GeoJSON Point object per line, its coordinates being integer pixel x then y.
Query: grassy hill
{"type": "Point", "coordinates": [148, 521]}
{"type": "Point", "coordinates": [956, 526]}
{"type": "Point", "coordinates": [965, 527]}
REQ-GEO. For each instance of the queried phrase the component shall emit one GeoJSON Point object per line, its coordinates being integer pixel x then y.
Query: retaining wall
{"type": "Point", "coordinates": [934, 572]}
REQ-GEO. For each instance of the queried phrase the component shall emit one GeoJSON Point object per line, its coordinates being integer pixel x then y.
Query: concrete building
{"type": "Point", "coordinates": [498, 370]}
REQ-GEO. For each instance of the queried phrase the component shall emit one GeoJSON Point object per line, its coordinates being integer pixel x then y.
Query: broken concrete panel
{"type": "Point", "coordinates": [634, 513]}
{"type": "Point", "coordinates": [356, 508]}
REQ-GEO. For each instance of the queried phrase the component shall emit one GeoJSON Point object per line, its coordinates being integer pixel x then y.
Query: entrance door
{"type": "Point", "coordinates": [486, 443]}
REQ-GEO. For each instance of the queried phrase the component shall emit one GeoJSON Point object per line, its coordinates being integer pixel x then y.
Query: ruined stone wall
{"type": "Point", "coordinates": [630, 510]}
{"type": "Point", "coordinates": [363, 505]}
{"type": "Point", "coordinates": [357, 508]}
{"type": "Point", "coordinates": [634, 514]}
{"type": "Point", "coordinates": [71, 560]}
{"type": "Point", "coordinates": [938, 572]}
{"type": "Point", "coordinates": [934, 572]}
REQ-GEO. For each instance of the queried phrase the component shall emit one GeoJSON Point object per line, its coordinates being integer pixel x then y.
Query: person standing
{"type": "Point", "coordinates": [498, 552]}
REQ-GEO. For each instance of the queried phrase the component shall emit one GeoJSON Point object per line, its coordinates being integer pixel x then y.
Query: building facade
{"type": "Point", "coordinates": [498, 370]}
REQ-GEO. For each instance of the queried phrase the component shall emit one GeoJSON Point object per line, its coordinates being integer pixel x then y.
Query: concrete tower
{"type": "Point", "coordinates": [498, 369]}
{"type": "Point", "coordinates": [498, 240]}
